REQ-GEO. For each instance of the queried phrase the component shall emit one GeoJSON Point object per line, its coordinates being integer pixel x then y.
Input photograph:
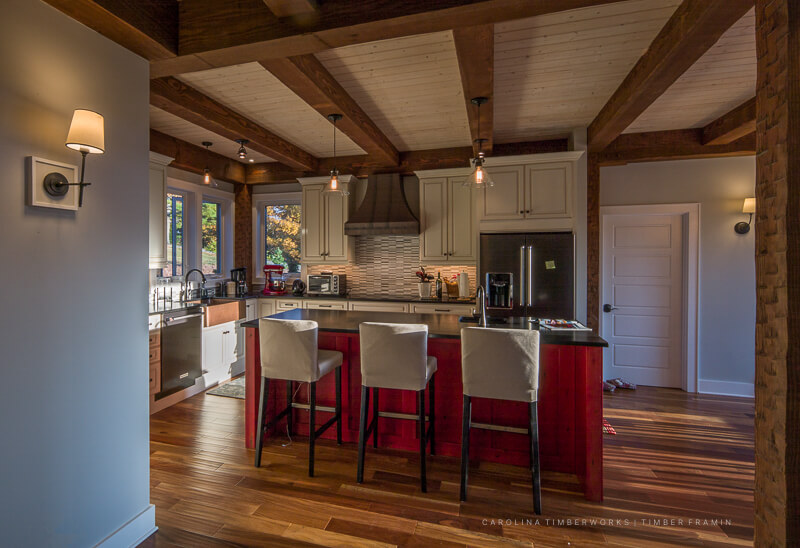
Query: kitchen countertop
{"type": "Point", "coordinates": [439, 325]}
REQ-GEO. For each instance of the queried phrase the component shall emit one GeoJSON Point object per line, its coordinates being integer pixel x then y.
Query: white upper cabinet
{"type": "Point", "coordinates": [447, 218]}
{"type": "Point", "coordinates": [158, 210]}
{"type": "Point", "coordinates": [323, 216]}
{"type": "Point", "coordinates": [532, 192]}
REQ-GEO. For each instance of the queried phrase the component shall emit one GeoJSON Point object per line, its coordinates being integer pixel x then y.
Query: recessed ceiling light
{"type": "Point", "coordinates": [251, 160]}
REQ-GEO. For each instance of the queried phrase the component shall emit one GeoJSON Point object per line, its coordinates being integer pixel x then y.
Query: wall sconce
{"type": "Point", "coordinates": [87, 136]}
{"type": "Point", "coordinates": [749, 207]}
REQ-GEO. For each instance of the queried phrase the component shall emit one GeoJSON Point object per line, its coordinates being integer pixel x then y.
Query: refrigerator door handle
{"type": "Point", "coordinates": [530, 276]}
{"type": "Point", "coordinates": [522, 295]}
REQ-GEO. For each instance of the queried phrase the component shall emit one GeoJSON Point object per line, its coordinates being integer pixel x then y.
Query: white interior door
{"type": "Point", "coordinates": [643, 293]}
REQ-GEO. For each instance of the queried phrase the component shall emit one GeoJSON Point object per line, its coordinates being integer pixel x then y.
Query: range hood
{"type": "Point", "coordinates": [384, 209]}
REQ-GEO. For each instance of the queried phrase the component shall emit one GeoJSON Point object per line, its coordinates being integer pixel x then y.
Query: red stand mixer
{"type": "Point", "coordinates": [275, 283]}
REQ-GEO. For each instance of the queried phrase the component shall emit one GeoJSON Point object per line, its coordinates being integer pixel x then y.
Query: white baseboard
{"type": "Point", "coordinates": [726, 388]}
{"type": "Point", "coordinates": [134, 532]}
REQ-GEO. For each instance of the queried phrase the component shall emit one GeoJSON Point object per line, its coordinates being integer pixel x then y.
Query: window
{"type": "Point", "coordinates": [175, 256]}
{"type": "Point", "coordinates": [212, 237]}
{"type": "Point", "coordinates": [282, 236]}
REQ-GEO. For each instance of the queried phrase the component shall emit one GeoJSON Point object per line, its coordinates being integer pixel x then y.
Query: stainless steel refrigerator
{"type": "Point", "coordinates": [529, 274]}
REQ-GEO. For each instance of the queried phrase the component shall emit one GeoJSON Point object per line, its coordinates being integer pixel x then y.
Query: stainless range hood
{"type": "Point", "coordinates": [384, 209]}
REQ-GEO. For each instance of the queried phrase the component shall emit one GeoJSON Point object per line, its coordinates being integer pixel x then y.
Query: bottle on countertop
{"type": "Point", "coordinates": [439, 285]}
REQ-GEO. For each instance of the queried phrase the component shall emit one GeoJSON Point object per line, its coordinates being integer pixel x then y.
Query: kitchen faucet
{"type": "Point", "coordinates": [480, 302]}
{"type": "Point", "coordinates": [186, 281]}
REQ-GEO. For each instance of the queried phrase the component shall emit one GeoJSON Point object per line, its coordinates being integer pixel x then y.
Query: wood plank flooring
{"type": "Point", "coordinates": [676, 456]}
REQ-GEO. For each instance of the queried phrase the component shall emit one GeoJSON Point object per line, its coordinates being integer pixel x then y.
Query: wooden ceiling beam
{"type": "Point", "coordinates": [195, 159]}
{"type": "Point", "coordinates": [411, 161]}
{"type": "Point", "coordinates": [147, 27]}
{"type": "Point", "coordinates": [680, 144]}
{"type": "Point", "coordinates": [312, 82]}
{"type": "Point", "coordinates": [731, 126]}
{"type": "Point", "coordinates": [298, 9]}
{"type": "Point", "coordinates": [475, 52]}
{"type": "Point", "coordinates": [691, 31]}
{"type": "Point", "coordinates": [175, 97]}
{"type": "Point", "coordinates": [217, 34]}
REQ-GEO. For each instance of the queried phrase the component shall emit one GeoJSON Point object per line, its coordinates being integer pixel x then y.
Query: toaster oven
{"type": "Point", "coordinates": [326, 284]}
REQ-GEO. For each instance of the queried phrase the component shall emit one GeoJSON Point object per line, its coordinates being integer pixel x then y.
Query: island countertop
{"type": "Point", "coordinates": [445, 326]}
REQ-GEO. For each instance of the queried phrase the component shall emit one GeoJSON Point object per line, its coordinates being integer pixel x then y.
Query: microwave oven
{"type": "Point", "coordinates": [326, 284]}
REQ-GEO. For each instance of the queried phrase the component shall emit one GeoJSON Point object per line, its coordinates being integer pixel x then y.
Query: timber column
{"type": "Point", "coordinates": [777, 228]}
{"type": "Point", "coordinates": [243, 230]}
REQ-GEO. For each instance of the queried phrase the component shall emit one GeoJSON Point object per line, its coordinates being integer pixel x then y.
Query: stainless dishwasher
{"type": "Point", "coordinates": [181, 350]}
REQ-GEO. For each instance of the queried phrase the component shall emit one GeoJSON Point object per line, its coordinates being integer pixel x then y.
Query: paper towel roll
{"type": "Point", "coordinates": [463, 285]}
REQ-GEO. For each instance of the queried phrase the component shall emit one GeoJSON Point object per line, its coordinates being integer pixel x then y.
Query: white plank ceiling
{"type": "Point", "coordinates": [555, 72]}
{"type": "Point", "coordinates": [410, 87]}
{"type": "Point", "coordinates": [255, 93]}
{"type": "Point", "coordinates": [174, 126]}
{"type": "Point", "coordinates": [722, 79]}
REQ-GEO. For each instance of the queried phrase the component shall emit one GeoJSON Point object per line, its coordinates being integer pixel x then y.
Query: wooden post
{"type": "Point", "coordinates": [777, 233]}
{"type": "Point", "coordinates": [593, 241]}
{"type": "Point", "coordinates": [243, 228]}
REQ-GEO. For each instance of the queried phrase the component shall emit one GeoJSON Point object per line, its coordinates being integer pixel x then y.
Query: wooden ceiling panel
{"type": "Point", "coordinates": [178, 127]}
{"type": "Point", "coordinates": [722, 79]}
{"type": "Point", "coordinates": [410, 87]}
{"type": "Point", "coordinates": [555, 72]}
{"type": "Point", "coordinates": [258, 95]}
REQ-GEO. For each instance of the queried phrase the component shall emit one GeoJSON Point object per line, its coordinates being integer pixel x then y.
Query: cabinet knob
{"type": "Point", "coordinates": [527, 211]}
{"type": "Point", "coordinates": [521, 212]}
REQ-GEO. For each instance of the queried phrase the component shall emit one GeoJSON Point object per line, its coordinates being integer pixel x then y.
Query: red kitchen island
{"type": "Point", "coordinates": [570, 395]}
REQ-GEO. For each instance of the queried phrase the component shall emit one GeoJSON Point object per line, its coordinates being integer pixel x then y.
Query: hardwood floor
{"type": "Point", "coordinates": [676, 456]}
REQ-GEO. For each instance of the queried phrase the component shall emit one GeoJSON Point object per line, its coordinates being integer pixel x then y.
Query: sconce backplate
{"type": "Point", "coordinates": [56, 184]}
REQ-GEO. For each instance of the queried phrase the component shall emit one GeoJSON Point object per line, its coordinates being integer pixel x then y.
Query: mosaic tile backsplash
{"type": "Point", "coordinates": [385, 265]}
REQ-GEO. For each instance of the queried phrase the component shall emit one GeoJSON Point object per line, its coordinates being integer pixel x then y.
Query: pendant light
{"type": "Point", "coordinates": [242, 151]}
{"type": "Point", "coordinates": [207, 179]}
{"type": "Point", "coordinates": [334, 184]}
{"type": "Point", "coordinates": [479, 178]}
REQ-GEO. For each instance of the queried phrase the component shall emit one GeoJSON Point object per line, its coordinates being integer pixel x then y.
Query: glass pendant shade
{"type": "Point", "coordinates": [86, 132]}
{"type": "Point", "coordinates": [479, 178]}
{"type": "Point", "coordinates": [334, 185]}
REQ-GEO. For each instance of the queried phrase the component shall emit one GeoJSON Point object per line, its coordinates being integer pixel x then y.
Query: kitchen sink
{"type": "Point", "coordinates": [219, 311]}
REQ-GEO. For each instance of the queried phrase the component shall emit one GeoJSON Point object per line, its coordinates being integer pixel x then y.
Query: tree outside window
{"type": "Point", "coordinates": [174, 235]}
{"type": "Point", "coordinates": [211, 224]}
{"type": "Point", "coordinates": [282, 236]}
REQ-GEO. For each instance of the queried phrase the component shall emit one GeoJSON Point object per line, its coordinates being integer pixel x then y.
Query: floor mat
{"type": "Point", "coordinates": [232, 389]}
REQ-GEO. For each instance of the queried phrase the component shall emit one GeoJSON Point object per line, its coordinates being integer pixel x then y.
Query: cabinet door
{"type": "Point", "coordinates": [158, 216]}
{"type": "Point", "coordinates": [505, 200]}
{"type": "Point", "coordinates": [462, 235]}
{"type": "Point", "coordinates": [325, 305]}
{"type": "Point", "coordinates": [229, 343]}
{"type": "Point", "coordinates": [282, 305]}
{"type": "Point", "coordinates": [251, 309]}
{"type": "Point", "coordinates": [377, 306]}
{"type": "Point", "coordinates": [433, 213]}
{"type": "Point", "coordinates": [548, 190]}
{"type": "Point", "coordinates": [266, 307]}
{"type": "Point", "coordinates": [240, 346]}
{"type": "Point", "coordinates": [312, 239]}
{"type": "Point", "coordinates": [335, 217]}
{"type": "Point", "coordinates": [212, 348]}
{"type": "Point", "coordinates": [442, 308]}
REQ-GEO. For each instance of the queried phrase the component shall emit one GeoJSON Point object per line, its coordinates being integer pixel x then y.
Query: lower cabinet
{"type": "Point", "coordinates": [442, 308]}
{"type": "Point", "coordinates": [266, 307]}
{"type": "Point", "coordinates": [251, 309]}
{"type": "Point", "coordinates": [219, 349]}
{"type": "Point", "coordinates": [282, 305]}
{"type": "Point", "coordinates": [154, 328]}
{"type": "Point", "coordinates": [378, 306]}
{"type": "Point", "coordinates": [324, 305]}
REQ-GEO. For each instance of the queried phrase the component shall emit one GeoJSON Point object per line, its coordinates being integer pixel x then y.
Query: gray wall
{"type": "Point", "coordinates": [727, 259]}
{"type": "Point", "coordinates": [74, 392]}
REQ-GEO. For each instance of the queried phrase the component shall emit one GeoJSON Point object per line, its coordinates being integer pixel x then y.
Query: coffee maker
{"type": "Point", "coordinates": [239, 277]}
{"type": "Point", "coordinates": [275, 284]}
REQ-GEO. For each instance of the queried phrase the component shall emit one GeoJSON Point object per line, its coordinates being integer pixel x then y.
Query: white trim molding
{"type": "Point", "coordinates": [134, 532]}
{"type": "Point", "coordinates": [726, 388]}
{"type": "Point", "coordinates": [691, 288]}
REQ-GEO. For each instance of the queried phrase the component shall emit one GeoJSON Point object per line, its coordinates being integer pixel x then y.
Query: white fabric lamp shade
{"type": "Point", "coordinates": [86, 132]}
{"type": "Point", "coordinates": [749, 205]}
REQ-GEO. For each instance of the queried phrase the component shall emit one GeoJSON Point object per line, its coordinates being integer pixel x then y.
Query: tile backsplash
{"type": "Point", "coordinates": [385, 265]}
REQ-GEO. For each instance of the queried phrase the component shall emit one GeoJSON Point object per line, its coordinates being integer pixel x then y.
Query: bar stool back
{"type": "Point", "coordinates": [289, 352]}
{"type": "Point", "coordinates": [396, 356]}
{"type": "Point", "coordinates": [500, 364]}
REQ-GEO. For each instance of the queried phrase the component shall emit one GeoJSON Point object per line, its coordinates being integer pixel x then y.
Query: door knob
{"type": "Point", "coordinates": [608, 308]}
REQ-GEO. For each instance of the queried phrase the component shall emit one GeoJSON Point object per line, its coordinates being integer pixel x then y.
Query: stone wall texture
{"type": "Point", "coordinates": [777, 228]}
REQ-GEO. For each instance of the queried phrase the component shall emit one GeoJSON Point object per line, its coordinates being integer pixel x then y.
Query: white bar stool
{"type": "Point", "coordinates": [501, 364]}
{"type": "Point", "coordinates": [396, 356]}
{"type": "Point", "coordinates": [289, 352]}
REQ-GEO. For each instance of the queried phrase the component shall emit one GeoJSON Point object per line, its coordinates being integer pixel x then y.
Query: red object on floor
{"type": "Point", "coordinates": [570, 408]}
{"type": "Point", "coordinates": [608, 429]}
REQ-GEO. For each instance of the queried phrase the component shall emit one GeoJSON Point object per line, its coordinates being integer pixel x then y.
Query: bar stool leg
{"type": "Point", "coordinates": [535, 473]}
{"type": "Point", "coordinates": [290, 416]}
{"type": "Point", "coordinates": [375, 392]}
{"type": "Point", "coordinates": [362, 430]}
{"type": "Point", "coordinates": [432, 413]}
{"type": "Point", "coordinates": [422, 442]}
{"type": "Point", "coordinates": [312, 411]}
{"type": "Point", "coordinates": [466, 419]}
{"type": "Point", "coordinates": [262, 411]}
{"type": "Point", "coordinates": [339, 405]}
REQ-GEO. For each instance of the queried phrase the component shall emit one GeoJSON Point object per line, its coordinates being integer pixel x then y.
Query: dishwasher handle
{"type": "Point", "coordinates": [169, 320]}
